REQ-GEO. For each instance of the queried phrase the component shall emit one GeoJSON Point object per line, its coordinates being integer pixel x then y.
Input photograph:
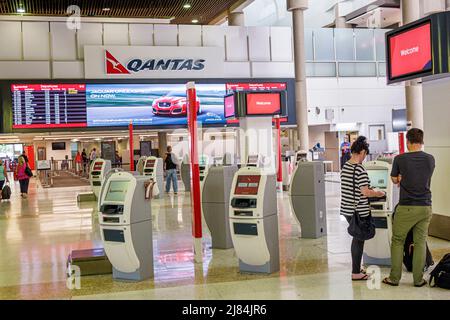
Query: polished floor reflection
{"type": "Point", "coordinates": [37, 234]}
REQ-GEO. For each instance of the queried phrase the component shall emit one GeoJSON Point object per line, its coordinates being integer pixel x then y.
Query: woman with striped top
{"type": "Point", "coordinates": [355, 194]}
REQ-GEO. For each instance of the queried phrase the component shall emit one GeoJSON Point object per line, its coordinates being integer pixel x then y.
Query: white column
{"type": "Point", "coordinates": [447, 5]}
{"type": "Point", "coordinates": [298, 7]}
{"type": "Point", "coordinates": [340, 21]}
{"type": "Point", "coordinates": [236, 18]}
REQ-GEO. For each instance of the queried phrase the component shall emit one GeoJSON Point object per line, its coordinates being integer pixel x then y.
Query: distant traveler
{"type": "Point", "coordinates": [78, 162]}
{"type": "Point", "coordinates": [85, 160]}
{"type": "Point", "coordinates": [355, 191]}
{"type": "Point", "coordinates": [93, 155]}
{"type": "Point", "coordinates": [412, 171]}
{"type": "Point", "coordinates": [3, 176]}
{"type": "Point", "coordinates": [170, 165]}
{"type": "Point", "coordinates": [118, 159]}
{"type": "Point", "coordinates": [345, 151]}
{"type": "Point", "coordinates": [22, 176]}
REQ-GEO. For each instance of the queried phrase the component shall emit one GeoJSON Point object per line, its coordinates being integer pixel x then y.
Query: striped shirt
{"type": "Point", "coordinates": [350, 194]}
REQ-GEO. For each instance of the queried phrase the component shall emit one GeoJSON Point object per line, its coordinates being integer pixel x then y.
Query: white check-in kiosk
{"type": "Point", "coordinates": [215, 204]}
{"type": "Point", "coordinates": [126, 226]}
{"type": "Point", "coordinates": [254, 220]}
{"type": "Point", "coordinates": [98, 170]}
{"type": "Point", "coordinates": [203, 164]}
{"type": "Point", "coordinates": [153, 168]}
{"type": "Point", "coordinates": [377, 251]}
{"type": "Point", "coordinates": [307, 199]}
{"type": "Point", "coordinates": [185, 172]}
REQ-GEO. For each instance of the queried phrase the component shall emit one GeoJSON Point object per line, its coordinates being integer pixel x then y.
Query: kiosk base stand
{"type": "Point", "coordinates": [91, 262]}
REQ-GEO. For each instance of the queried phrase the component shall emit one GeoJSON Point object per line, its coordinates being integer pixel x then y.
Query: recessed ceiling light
{"type": "Point", "coordinates": [194, 21]}
{"type": "Point", "coordinates": [187, 6]}
{"type": "Point", "coordinates": [106, 9]}
{"type": "Point", "coordinates": [20, 10]}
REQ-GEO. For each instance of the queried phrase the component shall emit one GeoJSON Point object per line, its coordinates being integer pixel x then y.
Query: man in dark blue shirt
{"type": "Point", "coordinates": [412, 171]}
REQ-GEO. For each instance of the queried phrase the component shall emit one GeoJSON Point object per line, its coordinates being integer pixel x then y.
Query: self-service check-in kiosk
{"type": "Point", "coordinates": [254, 220]}
{"type": "Point", "coordinates": [377, 251]}
{"type": "Point", "coordinates": [126, 226]}
{"type": "Point", "coordinates": [307, 198]}
{"type": "Point", "coordinates": [203, 166]}
{"type": "Point", "coordinates": [153, 168]}
{"type": "Point", "coordinates": [98, 170]}
{"type": "Point", "coordinates": [215, 204]}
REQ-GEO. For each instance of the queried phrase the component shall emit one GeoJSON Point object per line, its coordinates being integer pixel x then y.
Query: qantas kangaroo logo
{"type": "Point", "coordinates": [113, 66]}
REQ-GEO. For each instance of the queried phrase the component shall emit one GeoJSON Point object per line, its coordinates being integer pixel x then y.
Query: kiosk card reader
{"type": "Point", "coordinates": [254, 220]}
{"type": "Point", "coordinates": [153, 168]}
{"type": "Point", "coordinates": [98, 170]}
{"type": "Point", "coordinates": [215, 204]}
{"type": "Point", "coordinates": [126, 226]}
{"type": "Point", "coordinates": [307, 198]}
{"type": "Point", "coordinates": [377, 251]}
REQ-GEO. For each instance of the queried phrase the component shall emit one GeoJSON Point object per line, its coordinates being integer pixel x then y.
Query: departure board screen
{"type": "Point", "coordinates": [49, 106]}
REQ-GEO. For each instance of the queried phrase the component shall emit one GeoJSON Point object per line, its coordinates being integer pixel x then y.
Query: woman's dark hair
{"type": "Point", "coordinates": [360, 145]}
{"type": "Point", "coordinates": [415, 136]}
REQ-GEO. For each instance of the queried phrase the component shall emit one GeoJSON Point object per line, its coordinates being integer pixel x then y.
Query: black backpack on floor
{"type": "Point", "coordinates": [440, 276]}
{"type": "Point", "coordinates": [408, 252]}
{"type": "Point", "coordinates": [6, 192]}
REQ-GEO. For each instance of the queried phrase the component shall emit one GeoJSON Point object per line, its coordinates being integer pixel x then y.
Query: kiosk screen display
{"type": "Point", "coordinates": [247, 185]}
{"type": "Point", "coordinates": [117, 191]}
{"type": "Point", "coordinates": [263, 103]}
{"type": "Point", "coordinates": [378, 178]}
{"type": "Point", "coordinates": [150, 164]}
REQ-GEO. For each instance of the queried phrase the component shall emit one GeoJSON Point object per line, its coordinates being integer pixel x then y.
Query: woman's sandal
{"type": "Point", "coordinates": [365, 277]}
{"type": "Point", "coordinates": [389, 282]}
{"type": "Point", "coordinates": [424, 282]}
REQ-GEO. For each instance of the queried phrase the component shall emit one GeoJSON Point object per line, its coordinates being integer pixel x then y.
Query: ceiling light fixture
{"type": "Point", "coordinates": [194, 21]}
{"type": "Point", "coordinates": [187, 6]}
{"type": "Point", "coordinates": [106, 9]}
{"type": "Point", "coordinates": [20, 10]}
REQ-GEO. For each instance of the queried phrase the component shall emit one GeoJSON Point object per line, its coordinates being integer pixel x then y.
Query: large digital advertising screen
{"type": "Point", "coordinates": [410, 52]}
{"type": "Point", "coordinates": [97, 105]}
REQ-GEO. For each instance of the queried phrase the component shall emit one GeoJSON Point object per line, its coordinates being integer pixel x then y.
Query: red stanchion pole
{"type": "Point", "coordinates": [280, 167]}
{"type": "Point", "coordinates": [401, 142]}
{"type": "Point", "coordinates": [195, 171]}
{"type": "Point", "coordinates": [130, 132]}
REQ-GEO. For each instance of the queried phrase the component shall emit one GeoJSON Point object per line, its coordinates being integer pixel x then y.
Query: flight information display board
{"type": "Point", "coordinates": [49, 105]}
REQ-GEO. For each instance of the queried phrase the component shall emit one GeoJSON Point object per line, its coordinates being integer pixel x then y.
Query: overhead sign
{"type": "Point", "coordinates": [103, 62]}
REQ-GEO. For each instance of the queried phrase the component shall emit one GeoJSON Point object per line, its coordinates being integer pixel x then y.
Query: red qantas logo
{"type": "Point", "coordinates": [113, 66]}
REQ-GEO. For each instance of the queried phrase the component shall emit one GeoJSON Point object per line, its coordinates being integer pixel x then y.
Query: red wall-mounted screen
{"type": "Point", "coordinates": [263, 103]}
{"type": "Point", "coordinates": [410, 52]}
{"type": "Point", "coordinates": [229, 106]}
{"type": "Point", "coordinates": [247, 184]}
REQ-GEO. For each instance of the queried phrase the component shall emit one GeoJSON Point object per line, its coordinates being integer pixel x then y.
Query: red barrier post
{"type": "Point", "coordinates": [280, 167]}
{"type": "Point", "coordinates": [401, 142]}
{"type": "Point", "coordinates": [130, 132]}
{"type": "Point", "coordinates": [195, 171]}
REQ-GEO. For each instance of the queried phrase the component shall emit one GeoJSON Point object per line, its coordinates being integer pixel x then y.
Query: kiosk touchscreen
{"type": "Point", "coordinates": [253, 160]}
{"type": "Point", "coordinates": [204, 165]}
{"type": "Point", "coordinates": [254, 220]}
{"type": "Point", "coordinates": [215, 202]}
{"type": "Point", "coordinates": [377, 251]}
{"type": "Point", "coordinates": [307, 198]}
{"type": "Point", "coordinates": [126, 226]}
{"type": "Point", "coordinates": [98, 170]}
{"type": "Point", "coordinates": [153, 168]}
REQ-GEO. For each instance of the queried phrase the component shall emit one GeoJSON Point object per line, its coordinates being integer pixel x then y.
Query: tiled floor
{"type": "Point", "coordinates": [37, 234]}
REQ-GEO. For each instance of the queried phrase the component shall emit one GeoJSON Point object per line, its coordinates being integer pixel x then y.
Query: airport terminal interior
{"type": "Point", "coordinates": [197, 150]}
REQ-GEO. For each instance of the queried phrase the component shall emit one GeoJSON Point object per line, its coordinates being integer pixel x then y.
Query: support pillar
{"type": "Point", "coordinates": [340, 21]}
{"type": "Point", "coordinates": [298, 7]}
{"type": "Point", "coordinates": [236, 19]}
{"type": "Point", "coordinates": [162, 143]}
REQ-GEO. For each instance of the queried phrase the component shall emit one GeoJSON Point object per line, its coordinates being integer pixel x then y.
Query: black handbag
{"type": "Point", "coordinates": [28, 171]}
{"type": "Point", "coordinates": [360, 228]}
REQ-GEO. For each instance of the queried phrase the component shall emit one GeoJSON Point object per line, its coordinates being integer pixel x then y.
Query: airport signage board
{"type": "Point", "coordinates": [419, 49]}
{"type": "Point", "coordinates": [131, 62]}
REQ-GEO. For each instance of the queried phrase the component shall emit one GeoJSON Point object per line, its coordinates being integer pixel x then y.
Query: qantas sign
{"type": "Point", "coordinates": [113, 66]}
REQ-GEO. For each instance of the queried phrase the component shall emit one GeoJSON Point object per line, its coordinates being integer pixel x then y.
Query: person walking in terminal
{"type": "Point", "coordinates": [412, 171]}
{"type": "Point", "coordinates": [355, 191]}
{"type": "Point", "coordinates": [3, 176]}
{"type": "Point", "coordinates": [93, 155]}
{"type": "Point", "coordinates": [345, 151]}
{"type": "Point", "coordinates": [170, 165]}
{"type": "Point", "coordinates": [22, 176]}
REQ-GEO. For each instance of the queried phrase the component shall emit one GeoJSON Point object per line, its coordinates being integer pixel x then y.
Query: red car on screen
{"type": "Point", "coordinates": [172, 104]}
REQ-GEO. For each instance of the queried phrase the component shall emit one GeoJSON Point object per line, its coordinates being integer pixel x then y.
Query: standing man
{"type": "Point", "coordinates": [412, 171]}
{"type": "Point", "coordinates": [85, 160]}
{"type": "Point", "coordinates": [170, 165]}
{"type": "Point", "coordinates": [345, 151]}
{"type": "Point", "coordinates": [93, 155]}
